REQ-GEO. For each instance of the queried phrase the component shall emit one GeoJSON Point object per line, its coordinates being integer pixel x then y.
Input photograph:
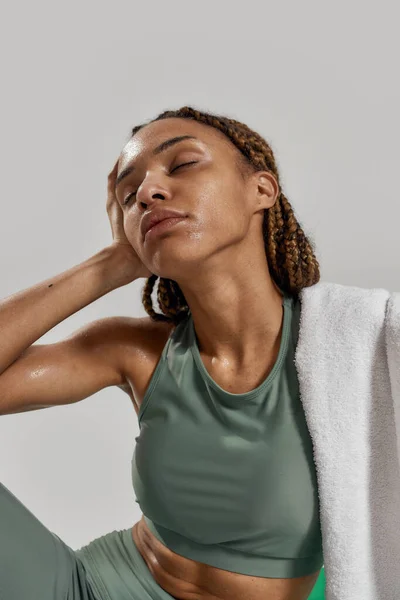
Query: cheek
{"type": "Point", "coordinates": [215, 199]}
{"type": "Point", "coordinates": [221, 204]}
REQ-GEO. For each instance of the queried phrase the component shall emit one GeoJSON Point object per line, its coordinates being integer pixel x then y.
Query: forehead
{"type": "Point", "coordinates": [155, 133]}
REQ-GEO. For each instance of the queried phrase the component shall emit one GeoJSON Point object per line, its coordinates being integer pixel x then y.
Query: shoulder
{"type": "Point", "coordinates": [137, 344]}
{"type": "Point", "coordinates": [130, 333]}
{"type": "Point", "coordinates": [132, 340]}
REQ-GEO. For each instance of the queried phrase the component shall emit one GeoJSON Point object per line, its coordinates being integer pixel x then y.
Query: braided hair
{"type": "Point", "coordinates": [290, 254]}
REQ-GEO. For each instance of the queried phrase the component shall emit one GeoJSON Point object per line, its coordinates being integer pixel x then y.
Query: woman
{"type": "Point", "coordinates": [223, 467]}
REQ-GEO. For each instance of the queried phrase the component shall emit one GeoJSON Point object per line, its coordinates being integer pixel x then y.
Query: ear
{"type": "Point", "coordinates": [266, 189]}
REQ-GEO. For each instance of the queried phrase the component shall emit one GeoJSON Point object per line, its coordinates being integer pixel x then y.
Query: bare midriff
{"type": "Point", "coordinates": [187, 579]}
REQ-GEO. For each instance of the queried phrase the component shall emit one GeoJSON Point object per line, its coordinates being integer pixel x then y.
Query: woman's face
{"type": "Point", "coordinates": [211, 191]}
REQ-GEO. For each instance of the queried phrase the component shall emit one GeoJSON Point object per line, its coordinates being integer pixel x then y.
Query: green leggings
{"type": "Point", "coordinates": [35, 564]}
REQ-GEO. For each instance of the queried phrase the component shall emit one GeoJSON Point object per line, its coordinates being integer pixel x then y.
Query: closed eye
{"type": "Point", "coordinates": [178, 167]}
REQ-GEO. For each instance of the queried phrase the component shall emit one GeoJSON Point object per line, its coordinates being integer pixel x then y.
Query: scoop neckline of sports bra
{"type": "Point", "coordinates": [287, 301]}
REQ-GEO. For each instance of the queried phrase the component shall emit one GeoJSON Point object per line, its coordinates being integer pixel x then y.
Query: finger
{"type": "Point", "coordinates": [114, 171]}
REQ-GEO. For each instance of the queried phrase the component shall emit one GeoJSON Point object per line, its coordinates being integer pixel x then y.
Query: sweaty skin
{"type": "Point", "coordinates": [217, 256]}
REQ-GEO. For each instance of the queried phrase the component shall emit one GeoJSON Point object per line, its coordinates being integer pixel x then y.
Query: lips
{"type": "Point", "coordinates": [156, 216]}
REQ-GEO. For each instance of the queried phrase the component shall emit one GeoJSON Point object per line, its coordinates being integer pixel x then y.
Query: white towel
{"type": "Point", "coordinates": [392, 331]}
{"type": "Point", "coordinates": [348, 366]}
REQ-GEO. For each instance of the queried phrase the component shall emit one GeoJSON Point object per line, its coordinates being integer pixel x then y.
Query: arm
{"type": "Point", "coordinates": [38, 375]}
{"type": "Point", "coordinates": [89, 360]}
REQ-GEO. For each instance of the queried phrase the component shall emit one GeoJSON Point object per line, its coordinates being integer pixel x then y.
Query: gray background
{"type": "Point", "coordinates": [318, 80]}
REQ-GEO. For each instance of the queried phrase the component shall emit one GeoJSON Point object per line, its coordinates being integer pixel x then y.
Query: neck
{"type": "Point", "coordinates": [235, 312]}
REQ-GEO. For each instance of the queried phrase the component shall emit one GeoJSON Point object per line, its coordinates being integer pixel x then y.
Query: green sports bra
{"type": "Point", "coordinates": [229, 479]}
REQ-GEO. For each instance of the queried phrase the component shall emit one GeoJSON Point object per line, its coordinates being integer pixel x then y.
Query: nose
{"type": "Point", "coordinates": [150, 191]}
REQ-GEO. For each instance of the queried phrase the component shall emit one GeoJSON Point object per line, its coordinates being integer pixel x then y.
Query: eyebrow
{"type": "Point", "coordinates": [161, 148]}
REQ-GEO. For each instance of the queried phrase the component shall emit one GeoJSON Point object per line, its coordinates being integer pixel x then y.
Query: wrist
{"type": "Point", "coordinates": [119, 264]}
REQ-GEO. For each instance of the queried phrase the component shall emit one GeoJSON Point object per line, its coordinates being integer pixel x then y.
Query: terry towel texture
{"type": "Point", "coordinates": [348, 364]}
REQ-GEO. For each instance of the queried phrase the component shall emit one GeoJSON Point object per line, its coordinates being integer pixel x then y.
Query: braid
{"type": "Point", "coordinates": [290, 254]}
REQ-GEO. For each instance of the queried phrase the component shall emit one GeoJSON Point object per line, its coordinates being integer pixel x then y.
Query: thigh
{"type": "Point", "coordinates": [35, 564]}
